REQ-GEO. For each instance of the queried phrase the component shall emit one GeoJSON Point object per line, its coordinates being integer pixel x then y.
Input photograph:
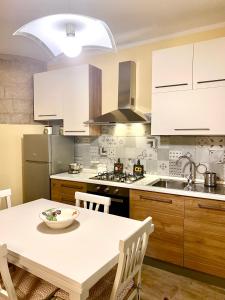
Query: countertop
{"type": "Point", "coordinates": [142, 184]}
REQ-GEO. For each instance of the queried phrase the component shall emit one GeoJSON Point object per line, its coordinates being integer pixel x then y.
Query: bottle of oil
{"type": "Point", "coordinates": [118, 167]}
{"type": "Point", "coordinates": [138, 169]}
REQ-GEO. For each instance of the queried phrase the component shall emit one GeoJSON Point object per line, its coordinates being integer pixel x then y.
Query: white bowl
{"type": "Point", "coordinates": [58, 218]}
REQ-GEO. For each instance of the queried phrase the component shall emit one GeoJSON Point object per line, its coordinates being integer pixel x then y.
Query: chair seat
{"type": "Point", "coordinates": [30, 287]}
{"type": "Point", "coordinates": [101, 290]}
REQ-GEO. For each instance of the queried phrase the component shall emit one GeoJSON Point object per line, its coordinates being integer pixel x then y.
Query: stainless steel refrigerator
{"type": "Point", "coordinates": [44, 155]}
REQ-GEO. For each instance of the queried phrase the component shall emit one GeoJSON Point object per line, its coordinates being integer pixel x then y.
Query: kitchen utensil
{"type": "Point", "coordinates": [58, 218]}
{"type": "Point", "coordinates": [74, 168]}
{"type": "Point", "coordinates": [210, 179]}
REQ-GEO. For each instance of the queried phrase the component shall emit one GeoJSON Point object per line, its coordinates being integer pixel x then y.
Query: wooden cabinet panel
{"type": "Point", "coordinates": [204, 236]}
{"type": "Point", "coordinates": [167, 212]}
{"type": "Point", "coordinates": [64, 190]}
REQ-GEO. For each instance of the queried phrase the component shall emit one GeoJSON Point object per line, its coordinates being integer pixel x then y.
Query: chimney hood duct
{"type": "Point", "coordinates": [126, 112]}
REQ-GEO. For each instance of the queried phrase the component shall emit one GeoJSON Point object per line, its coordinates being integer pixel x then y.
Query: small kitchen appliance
{"type": "Point", "coordinates": [210, 179]}
{"type": "Point", "coordinates": [74, 168]}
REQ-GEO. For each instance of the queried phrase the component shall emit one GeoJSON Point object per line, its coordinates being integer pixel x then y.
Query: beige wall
{"type": "Point", "coordinates": [11, 157]}
{"type": "Point", "coordinates": [142, 56]}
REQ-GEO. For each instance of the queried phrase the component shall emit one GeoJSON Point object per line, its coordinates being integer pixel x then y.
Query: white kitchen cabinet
{"type": "Point", "coordinates": [194, 112]}
{"type": "Point", "coordinates": [82, 100]}
{"type": "Point", "coordinates": [72, 94]}
{"type": "Point", "coordinates": [172, 69]}
{"type": "Point", "coordinates": [209, 64]}
{"type": "Point", "coordinates": [181, 113]}
{"type": "Point", "coordinates": [48, 95]}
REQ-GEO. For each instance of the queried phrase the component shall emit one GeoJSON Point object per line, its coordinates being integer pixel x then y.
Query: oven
{"type": "Point", "coordinates": [119, 197]}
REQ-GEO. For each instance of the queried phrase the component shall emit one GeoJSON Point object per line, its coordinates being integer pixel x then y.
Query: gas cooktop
{"type": "Point", "coordinates": [121, 177]}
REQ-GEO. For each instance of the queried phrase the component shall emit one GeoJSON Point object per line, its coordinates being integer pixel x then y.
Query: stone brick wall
{"type": "Point", "coordinates": [16, 88]}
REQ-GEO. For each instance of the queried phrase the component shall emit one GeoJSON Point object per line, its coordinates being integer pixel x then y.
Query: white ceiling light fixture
{"type": "Point", "coordinates": [69, 33]}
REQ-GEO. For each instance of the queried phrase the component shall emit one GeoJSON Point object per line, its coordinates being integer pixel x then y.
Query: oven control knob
{"type": "Point", "coordinates": [106, 190]}
{"type": "Point", "coordinates": [98, 188]}
{"type": "Point", "coordinates": [116, 191]}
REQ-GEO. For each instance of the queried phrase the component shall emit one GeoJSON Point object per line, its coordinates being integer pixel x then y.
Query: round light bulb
{"type": "Point", "coordinates": [71, 47]}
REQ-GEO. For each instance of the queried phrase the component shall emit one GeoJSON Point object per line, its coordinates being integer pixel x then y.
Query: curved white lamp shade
{"type": "Point", "coordinates": [52, 32]}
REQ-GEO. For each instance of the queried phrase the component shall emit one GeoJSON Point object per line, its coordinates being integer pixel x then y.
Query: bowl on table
{"type": "Point", "coordinates": [58, 218]}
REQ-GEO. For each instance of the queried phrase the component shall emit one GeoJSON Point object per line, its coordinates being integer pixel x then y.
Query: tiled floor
{"type": "Point", "coordinates": [158, 284]}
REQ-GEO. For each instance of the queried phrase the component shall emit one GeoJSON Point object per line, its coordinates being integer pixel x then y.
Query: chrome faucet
{"type": "Point", "coordinates": [192, 174]}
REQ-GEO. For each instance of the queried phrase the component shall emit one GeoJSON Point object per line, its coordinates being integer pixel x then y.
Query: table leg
{"type": "Point", "coordinates": [77, 296]}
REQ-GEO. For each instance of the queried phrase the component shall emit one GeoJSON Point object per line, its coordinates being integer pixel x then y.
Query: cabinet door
{"type": "Point", "coordinates": [181, 113]}
{"type": "Point", "coordinates": [167, 212]}
{"type": "Point", "coordinates": [64, 191]}
{"type": "Point", "coordinates": [76, 103]}
{"type": "Point", "coordinates": [172, 69]}
{"type": "Point", "coordinates": [209, 64]}
{"type": "Point", "coordinates": [48, 95]}
{"type": "Point", "coordinates": [204, 236]}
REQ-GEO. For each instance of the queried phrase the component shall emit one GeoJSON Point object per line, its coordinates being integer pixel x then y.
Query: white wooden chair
{"type": "Point", "coordinates": [6, 194]}
{"type": "Point", "coordinates": [123, 281]}
{"type": "Point", "coordinates": [92, 202]}
{"type": "Point", "coordinates": [19, 284]}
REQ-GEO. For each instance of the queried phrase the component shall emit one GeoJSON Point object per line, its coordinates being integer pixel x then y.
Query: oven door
{"type": "Point", "coordinates": [119, 198]}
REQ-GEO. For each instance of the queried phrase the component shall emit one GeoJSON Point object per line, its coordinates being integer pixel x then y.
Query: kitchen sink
{"type": "Point", "coordinates": [182, 185]}
{"type": "Point", "coordinates": [170, 184]}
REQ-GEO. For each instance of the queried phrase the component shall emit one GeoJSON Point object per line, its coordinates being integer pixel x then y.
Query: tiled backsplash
{"type": "Point", "coordinates": [157, 154]}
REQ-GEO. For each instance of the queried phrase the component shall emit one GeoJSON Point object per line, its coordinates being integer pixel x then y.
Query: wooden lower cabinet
{"type": "Point", "coordinates": [64, 190]}
{"type": "Point", "coordinates": [167, 212]}
{"type": "Point", "coordinates": [204, 236]}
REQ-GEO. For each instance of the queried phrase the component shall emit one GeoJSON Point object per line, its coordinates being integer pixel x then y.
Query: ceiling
{"type": "Point", "coordinates": [130, 21]}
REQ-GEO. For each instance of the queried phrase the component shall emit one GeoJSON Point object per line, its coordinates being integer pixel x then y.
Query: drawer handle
{"type": "Point", "coordinates": [183, 129]}
{"type": "Point", "coordinates": [211, 207]}
{"type": "Point", "coordinates": [208, 81]}
{"type": "Point", "coordinates": [157, 200]}
{"type": "Point", "coordinates": [72, 187]}
{"type": "Point", "coordinates": [74, 131]}
{"type": "Point", "coordinates": [47, 115]}
{"type": "Point", "coordinates": [170, 85]}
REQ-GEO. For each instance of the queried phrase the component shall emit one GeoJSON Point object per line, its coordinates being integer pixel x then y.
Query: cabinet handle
{"type": "Point", "coordinates": [208, 81]}
{"type": "Point", "coordinates": [74, 130]}
{"type": "Point", "coordinates": [47, 115]}
{"type": "Point", "coordinates": [187, 129]}
{"type": "Point", "coordinates": [211, 207]}
{"type": "Point", "coordinates": [170, 85]}
{"type": "Point", "coordinates": [72, 187]}
{"type": "Point", "coordinates": [155, 199]}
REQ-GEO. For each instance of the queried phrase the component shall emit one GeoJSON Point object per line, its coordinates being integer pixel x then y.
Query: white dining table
{"type": "Point", "coordinates": [74, 258]}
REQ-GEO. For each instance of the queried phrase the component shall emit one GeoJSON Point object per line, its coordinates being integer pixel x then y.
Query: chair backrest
{"type": "Point", "coordinates": [93, 202]}
{"type": "Point", "coordinates": [9, 291]}
{"type": "Point", "coordinates": [6, 194]}
{"type": "Point", "coordinates": [132, 252]}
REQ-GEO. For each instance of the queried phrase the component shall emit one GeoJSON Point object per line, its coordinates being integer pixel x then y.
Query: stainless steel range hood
{"type": "Point", "coordinates": [126, 112]}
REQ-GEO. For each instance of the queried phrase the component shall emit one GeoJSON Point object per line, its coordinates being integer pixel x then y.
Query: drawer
{"type": "Point", "coordinates": [211, 211]}
{"type": "Point", "coordinates": [167, 203]}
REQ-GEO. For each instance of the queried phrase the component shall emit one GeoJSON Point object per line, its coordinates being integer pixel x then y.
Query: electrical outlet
{"type": "Point", "coordinates": [174, 154]}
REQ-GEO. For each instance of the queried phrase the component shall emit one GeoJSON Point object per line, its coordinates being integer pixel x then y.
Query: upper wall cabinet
{"type": "Point", "coordinates": [200, 109]}
{"type": "Point", "coordinates": [172, 69]}
{"type": "Point", "coordinates": [82, 100]}
{"type": "Point", "coordinates": [209, 64]}
{"type": "Point", "coordinates": [72, 94]}
{"type": "Point", "coordinates": [48, 95]}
